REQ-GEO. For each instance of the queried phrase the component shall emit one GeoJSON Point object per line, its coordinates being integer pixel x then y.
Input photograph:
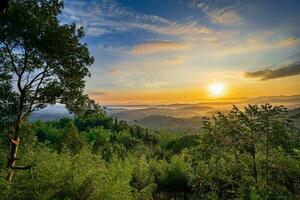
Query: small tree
{"type": "Point", "coordinates": [42, 62]}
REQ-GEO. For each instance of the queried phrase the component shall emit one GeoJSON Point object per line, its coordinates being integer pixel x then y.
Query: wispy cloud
{"type": "Point", "coordinates": [158, 46]}
{"type": "Point", "coordinates": [173, 28]}
{"type": "Point", "coordinates": [114, 71]}
{"type": "Point", "coordinates": [107, 16]}
{"type": "Point", "coordinates": [175, 61]}
{"type": "Point", "coordinates": [284, 71]}
{"type": "Point", "coordinates": [219, 12]}
{"type": "Point", "coordinates": [224, 16]}
{"type": "Point", "coordinates": [198, 4]}
{"type": "Point", "coordinates": [255, 44]}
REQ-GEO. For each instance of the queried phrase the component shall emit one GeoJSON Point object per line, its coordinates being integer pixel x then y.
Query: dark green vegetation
{"type": "Point", "coordinates": [251, 154]}
{"type": "Point", "coordinates": [42, 62]}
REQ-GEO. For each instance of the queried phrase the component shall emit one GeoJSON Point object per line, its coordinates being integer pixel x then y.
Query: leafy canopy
{"type": "Point", "coordinates": [42, 61]}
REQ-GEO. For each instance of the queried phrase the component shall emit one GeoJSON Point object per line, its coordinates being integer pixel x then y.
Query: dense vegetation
{"type": "Point", "coordinates": [250, 154]}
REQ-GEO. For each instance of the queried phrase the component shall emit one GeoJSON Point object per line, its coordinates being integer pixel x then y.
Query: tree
{"type": "Point", "coordinates": [175, 178]}
{"type": "Point", "coordinates": [253, 141]}
{"type": "Point", "coordinates": [43, 61]}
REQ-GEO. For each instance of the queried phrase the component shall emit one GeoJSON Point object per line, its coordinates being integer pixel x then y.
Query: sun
{"type": "Point", "coordinates": [217, 89]}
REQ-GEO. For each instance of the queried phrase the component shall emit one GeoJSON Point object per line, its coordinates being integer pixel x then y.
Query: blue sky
{"type": "Point", "coordinates": [163, 50]}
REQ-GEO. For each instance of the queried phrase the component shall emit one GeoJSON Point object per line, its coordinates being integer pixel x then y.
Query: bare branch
{"type": "Point", "coordinates": [11, 58]}
{"type": "Point", "coordinates": [35, 79]}
{"type": "Point", "coordinates": [36, 93]}
{"type": "Point", "coordinates": [38, 78]}
{"type": "Point", "coordinates": [27, 78]}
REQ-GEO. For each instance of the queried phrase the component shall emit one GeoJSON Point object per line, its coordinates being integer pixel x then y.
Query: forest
{"type": "Point", "coordinates": [250, 154]}
{"type": "Point", "coordinates": [246, 153]}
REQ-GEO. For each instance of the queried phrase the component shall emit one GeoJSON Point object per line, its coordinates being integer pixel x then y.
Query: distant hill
{"type": "Point", "coordinates": [180, 116]}
{"type": "Point", "coordinates": [50, 113]}
{"type": "Point", "coordinates": [188, 124]}
{"type": "Point", "coordinates": [186, 111]}
{"type": "Point", "coordinates": [157, 122]}
{"type": "Point", "coordinates": [48, 116]}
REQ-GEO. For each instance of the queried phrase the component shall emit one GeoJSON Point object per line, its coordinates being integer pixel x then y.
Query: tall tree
{"type": "Point", "coordinates": [42, 62]}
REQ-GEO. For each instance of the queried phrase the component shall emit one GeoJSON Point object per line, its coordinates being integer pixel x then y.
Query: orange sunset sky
{"type": "Point", "coordinates": [189, 50]}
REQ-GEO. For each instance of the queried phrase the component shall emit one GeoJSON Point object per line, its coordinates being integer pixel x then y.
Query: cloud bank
{"type": "Point", "coordinates": [267, 74]}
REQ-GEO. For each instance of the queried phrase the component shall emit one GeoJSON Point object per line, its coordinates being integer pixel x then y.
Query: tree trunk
{"type": "Point", "coordinates": [13, 157]}
{"type": "Point", "coordinates": [14, 146]}
{"type": "Point", "coordinates": [15, 141]}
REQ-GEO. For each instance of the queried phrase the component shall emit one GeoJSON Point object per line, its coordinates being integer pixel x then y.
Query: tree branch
{"type": "Point", "coordinates": [11, 58]}
{"type": "Point", "coordinates": [35, 79]}
{"type": "Point", "coordinates": [36, 93]}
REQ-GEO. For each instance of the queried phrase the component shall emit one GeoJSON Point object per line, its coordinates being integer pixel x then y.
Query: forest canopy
{"type": "Point", "coordinates": [249, 154]}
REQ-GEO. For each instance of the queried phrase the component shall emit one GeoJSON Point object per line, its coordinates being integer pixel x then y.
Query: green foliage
{"type": "Point", "coordinates": [42, 74]}
{"type": "Point", "coordinates": [85, 123]}
{"type": "Point", "coordinates": [71, 139]}
{"type": "Point", "coordinates": [143, 179]}
{"type": "Point", "coordinates": [252, 153]}
{"type": "Point", "coordinates": [42, 62]}
{"type": "Point", "coordinates": [246, 154]}
{"type": "Point", "coordinates": [7, 101]}
{"type": "Point", "coordinates": [242, 154]}
{"type": "Point", "coordinates": [175, 177]}
{"type": "Point", "coordinates": [178, 144]}
{"type": "Point", "coordinates": [64, 176]}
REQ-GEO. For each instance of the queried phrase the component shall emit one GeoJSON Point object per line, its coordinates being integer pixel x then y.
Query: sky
{"type": "Point", "coordinates": [171, 51]}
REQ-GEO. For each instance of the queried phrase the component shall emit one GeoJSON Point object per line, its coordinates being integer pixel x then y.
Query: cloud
{"type": "Point", "coordinates": [284, 71]}
{"type": "Point", "coordinates": [158, 46]}
{"type": "Point", "coordinates": [107, 16]}
{"type": "Point", "coordinates": [176, 61]}
{"type": "Point", "coordinates": [202, 5]}
{"type": "Point", "coordinates": [222, 12]}
{"type": "Point", "coordinates": [95, 31]}
{"type": "Point", "coordinates": [255, 44]}
{"type": "Point", "coordinates": [114, 71]}
{"type": "Point", "coordinates": [224, 16]}
{"type": "Point", "coordinates": [288, 42]}
{"type": "Point", "coordinates": [173, 28]}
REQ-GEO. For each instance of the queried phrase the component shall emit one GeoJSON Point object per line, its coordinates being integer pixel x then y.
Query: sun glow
{"type": "Point", "coordinates": [217, 89]}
